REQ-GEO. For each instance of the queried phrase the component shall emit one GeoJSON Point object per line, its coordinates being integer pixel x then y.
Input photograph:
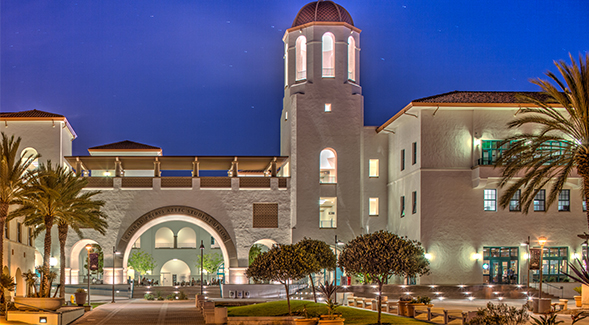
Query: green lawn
{"type": "Point", "coordinates": [351, 315]}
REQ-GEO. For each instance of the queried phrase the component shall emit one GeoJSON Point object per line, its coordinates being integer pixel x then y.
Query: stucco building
{"type": "Point", "coordinates": [426, 173]}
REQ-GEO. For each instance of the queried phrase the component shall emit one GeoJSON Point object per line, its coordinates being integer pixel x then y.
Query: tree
{"type": "Point", "coordinates": [561, 144]}
{"type": "Point", "coordinates": [281, 263]}
{"type": "Point", "coordinates": [6, 283]}
{"type": "Point", "coordinates": [141, 262]}
{"type": "Point", "coordinates": [211, 262]}
{"type": "Point", "coordinates": [381, 255]}
{"type": "Point", "coordinates": [254, 252]}
{"type": "Point", "coordinates": [13, 175]}
{"type": "Point", "coordinates": [320, 256]}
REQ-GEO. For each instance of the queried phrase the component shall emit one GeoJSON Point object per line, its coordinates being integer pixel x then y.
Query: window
{"type": "Point", "coordinates": [414, 202]}
{"type": "Point", "coordinates": [164, 238]}
{"type": "Point", "coordinates": [403, 159]}
{"type": "Point", "coordinates": [30, 153]}
{"type": "Point", "coordinates": [212, 240]}
{"type": "Point", "coordinates": [328, 107]}
{"type": "Point", "coordinates": [414, 153]}
{"type": "Point", "coordinates": [402, 206]}
{"type": "Point", "coordinates": [514, 203]}
{"type": "Point", "coordinates": [6, 232]}
{"type": "Point", "coordinates": [540, 200]}
{"type": "Point", "coordinates": [286, 116]}
{"type": "Point", "coordinates": [373, 206]}
{"type": "Point", "coordinates": [584, 206]}
{"type": "Point", "coordinates": [490, 200]}
{"type": "Point", "coordinates": [186, 238]}
{"type": "Point", "coordinates": [554, 264]}
{"type": "Point", "coordinates": [328, 212]}
{"type": "Point", "coordinates": [500, 265]}
{"type": "Point", "coordinates": [328, 167]}
{"type": "Point", "coordinates": [265, 215]}
{"type": "Point", "coordinates": [328, 59]}
{"type": "Point", "coordinates": [351, 58]}
{"type": "Point", "coordinates": [19, 232]}
{"type": "Point", "coordinates": [285, 65]}
{"type": "Point", "coordinates": [373, 168]}
{"type": "Point", "coordinates": [564, 200]}
{"type": "Point", "coordinates": [137, 243]}
{"type": "Point", "coordinates": [301, 58]}
{"type": "Point", "coordinates": [30, 237]}
{"type": "Point", "coordinates": [491, 151]}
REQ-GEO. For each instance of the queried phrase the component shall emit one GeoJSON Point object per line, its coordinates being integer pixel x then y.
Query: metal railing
{"type": "Point", "coordinates": [332, 223]}
{"type": "Point", "coordinates": [551, 288]}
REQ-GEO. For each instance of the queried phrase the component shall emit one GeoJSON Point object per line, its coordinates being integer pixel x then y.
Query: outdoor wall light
{"type": "Point", "coordinates": [477, 142]}
{"type": "Point", "coordinates": [52, 261]}
{"type": "Point", "coordinates": [428, 256]}
{"type": "Point", "coordinates": [43, 320]}
{"type": "Point", "coordinates": [526, 256]}
{"type": "Point", "coordinates": [575, 256]}
{"type": "Point", "coordinates": [476, 256]}
{"type": "Point", "coordinates": [486, 266]}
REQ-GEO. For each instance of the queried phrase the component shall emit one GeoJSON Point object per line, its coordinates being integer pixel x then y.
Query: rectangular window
{"type": "Point", "coordinates": [327, 212]}
{"type": "Point", "coordinates": [212, 240]}
{"type": "Point", "coordinates": [30, 238]}
{"type": "Point", "coordinates": [564, 200]}
{"type": "Point", "coordinates": [540, 200]}
{"type": "Point", "coordinates": [514, 203]}
{"type": "Point", "coordinates": [490, 200]}
{"type": "Point", "coordinates": [137, 243]}
{"type": "Point", "coordinates": [328, 107]}
{"type": "Point", "coordinates": [403, 159]}
{"type": "Point", "coordinates": [402, 206]}
{"type": "Point", "coordinates": [414, 203]}
{"type": "Point", "coordinates": [373, 168]}
{"type": "Point", "coordinates": [286, 116]}
{"type": "Point", "coordinates": [6, 231]}
{"type": "Point", "coordinates": [373, 206]}
{"type": "Point", "coordinates": [265, 215]}
{"type": "Point", "coordinates": [554, 265]}
{"type": "Point", "coordinates": [19, 232]}
{"type": "Point", "coordinates": [414, 153]}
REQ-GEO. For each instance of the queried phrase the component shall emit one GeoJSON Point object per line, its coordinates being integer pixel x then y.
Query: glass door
{"type": "Point", "coordinates": [500, 265]}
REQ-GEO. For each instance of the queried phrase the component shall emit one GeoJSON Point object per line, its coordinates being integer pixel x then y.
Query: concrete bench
{"type": "Point", "coordinates": [351, 300]}
{"type": "Point", "coordinates": [391, 306]}
{"type": "Point", "coordinates": [435, 312]}
{"type": "Point", "coordinates": [421, 313]}
{"type": "Point", "coordinates": [453, 315]}
{"type": "Point", "coordinates": [367, 303]}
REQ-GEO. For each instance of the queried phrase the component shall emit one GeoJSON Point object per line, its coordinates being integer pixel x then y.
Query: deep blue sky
{"type": "Point", "coordinates": [206, 77]}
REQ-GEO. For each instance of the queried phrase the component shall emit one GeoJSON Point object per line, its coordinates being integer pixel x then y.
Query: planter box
{"type": "Point", "coordinates": [306, 321]}
{"type": "Point", "coordinates": [261, 320]}
{"type": "Point", "coordinates": [23, 303]}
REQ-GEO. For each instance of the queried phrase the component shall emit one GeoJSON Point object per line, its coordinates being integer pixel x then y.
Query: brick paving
{"type": "Point", "coordinates": [143, 312]}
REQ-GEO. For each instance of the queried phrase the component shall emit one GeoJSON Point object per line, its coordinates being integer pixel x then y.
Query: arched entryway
{"type": "Point", "coordinates": [75, 272]}
{"type": "Point", "coordinates": [173, 272]}
{"type": "Point", "coordinates": [20, 284]}
{"type": "Point", "coordinates": [186, 214]}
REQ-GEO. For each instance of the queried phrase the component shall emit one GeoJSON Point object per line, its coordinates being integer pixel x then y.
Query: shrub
{"type": "Point", "coordinates": [158, 293]}
{"type": "Point", "coordinates": [160, 298]}
{"type": "Point", "coordinates": [80, 290]}
{"type": "Point", "coordinates": [171, 296]}
{"type": "Point", "coordinates": [149, 296]}
{"type": "Point", "coordinates": [182, 295]}
{"type": "Point", "coordinates": [406, 298]}
{"type": "Point", "coordinates": [421, 300]}
{"type": "Point", "coordinates": [500, 314]}
{"type": "Point", "coordinates": [579, 290]}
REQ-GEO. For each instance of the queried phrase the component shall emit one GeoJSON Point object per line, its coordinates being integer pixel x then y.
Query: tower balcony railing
{"type": "Point", "coordinates": [301, 75]}
{"type": "Point", "coordinates": [209, 182]}
{"type": "Point", "coordinates": [328, 72]}
{"type": "Point", "coordinates": [330, 223]}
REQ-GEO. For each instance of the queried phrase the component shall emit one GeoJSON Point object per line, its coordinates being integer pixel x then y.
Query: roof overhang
{"type": "Point", "coordinates": [321, 23]}
{"type": "Point", "coordinates": [53, 119]}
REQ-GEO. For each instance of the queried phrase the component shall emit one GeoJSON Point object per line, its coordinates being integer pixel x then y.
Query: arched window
{"type": "Point", "coordinates": [301, 50]}
{"type": "Point", "coordinates": [30, 152]}
{"type": "Point", "coordinates": [351, 59]}
{"type": "Point", "coordinates": [328, 47]}
{"type": "Point", "coordinates": [164, 238]}
{"type": "Point", "coordinates": [328, 166]}
{"type": "Point", "coordinates": [285, 65]}
{"type": "Point", "coordinates": [186, 238]}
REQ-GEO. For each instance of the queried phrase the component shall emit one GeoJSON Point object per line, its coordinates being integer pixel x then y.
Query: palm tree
{"type": "Point", "coordinates": [13, 174]}
{"type": "Point", "coordinates": [561, 144]}
{"type": "Point", "coordinates": [55, 197]}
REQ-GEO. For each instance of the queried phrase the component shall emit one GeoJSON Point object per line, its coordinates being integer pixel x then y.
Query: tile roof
{"type": "Point", "coordinates": [125, 145]}
{"type": "Point", "coordinates": [491, 97]}
{"type": "Point", "coordinates": [31, 113]}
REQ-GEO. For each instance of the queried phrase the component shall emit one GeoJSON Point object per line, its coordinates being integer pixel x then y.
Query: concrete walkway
{"type": "Point", "coordinates": [143, 312]}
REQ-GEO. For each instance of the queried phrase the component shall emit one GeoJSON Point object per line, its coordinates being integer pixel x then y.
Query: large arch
{"type": "Point", "coordinates": [75, 259]}
{"type": "Point", "coordinates": [174, 267]}
{"type": "Point", "coordinates": [179, 213]}
{"type": "Point", "coordinates": [20, 284]}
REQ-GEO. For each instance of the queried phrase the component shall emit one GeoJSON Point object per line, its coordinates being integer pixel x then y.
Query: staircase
{"type": "Point", "coordinates": [209, 291]}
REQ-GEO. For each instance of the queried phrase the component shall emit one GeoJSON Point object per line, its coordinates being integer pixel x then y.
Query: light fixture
{"type": "Point", "coordinates": [526, 256]}
{"type": "Point", "coordinates": [542, 240]}
{"type": "Point", "coordinates": [477, 142]}
{"type": "Point", "coordinates": [106, 174]}
{"type": "Point", "coordinates": [486, 266]}
{"type": "Point", "coordinates": [477, 256]}
{"type": "Point", "coordinates": [43, 319]}
{"type": "Point", "coordinates": [575, 256]}
{"type": "Point", "coordinates": [52, 261]}
{"type": "Point", "coordinates": [428, 256]}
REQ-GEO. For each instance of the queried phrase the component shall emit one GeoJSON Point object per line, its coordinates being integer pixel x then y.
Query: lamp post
{"type": "Point", "coordinates": [542, 241]}
{"type": "Point", "coordinates": [114, 256]}
{"type": "Point", "coordinates": [202, 248]}
{"type": "Point", "coordinates": [88, 248]}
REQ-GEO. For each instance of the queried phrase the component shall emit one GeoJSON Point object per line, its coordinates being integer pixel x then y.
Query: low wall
{"type": "Point", "coordinates": [256, 291]}
{"type": "Point", "coordinates": [251, 320]}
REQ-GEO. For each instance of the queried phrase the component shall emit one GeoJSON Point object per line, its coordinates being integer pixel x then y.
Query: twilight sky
{"type": "Point", "coordinates": [206, 77]}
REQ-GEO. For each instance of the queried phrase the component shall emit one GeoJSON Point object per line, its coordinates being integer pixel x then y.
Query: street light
{"type": "Point", "coordinates": [202, 248]}
{"type": "Point", "coordinates": [114, 256]}
{"type": "Point", "coordinates": [542, 241]}
{"type": "Point", "coordinates": [88, 248]}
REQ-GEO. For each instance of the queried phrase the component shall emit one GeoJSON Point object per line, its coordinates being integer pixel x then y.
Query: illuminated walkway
{"type": "Point", "coordinates": [143, 312]}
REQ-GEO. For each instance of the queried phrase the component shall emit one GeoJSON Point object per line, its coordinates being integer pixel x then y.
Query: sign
{"type": "Point", "coordinates": [535, 254]}
{"type": "Point", "coordinates": [93, 261]}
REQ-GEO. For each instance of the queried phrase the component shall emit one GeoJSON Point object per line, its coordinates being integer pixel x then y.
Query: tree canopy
{"type": "Point", "coordinates": [141, 261]}
{"type": "Point", "coordinates": [211, 262]}
{"type": "Point", "coordinates": [319, 256]}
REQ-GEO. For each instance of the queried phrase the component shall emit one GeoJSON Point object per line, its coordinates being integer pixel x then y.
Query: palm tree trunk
{"type": "Point", "coordinates": [3, 215]}
{"type": "Point", "coordinates": [62, 230]}
{"type": "Point", "coordinates": [45, 291]}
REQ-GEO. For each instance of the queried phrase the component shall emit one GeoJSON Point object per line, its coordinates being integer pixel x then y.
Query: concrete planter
{"type": "Point", "coordinates": [306, 321]}
{"type": "Point", "coordinates": [578, 301]}
{"type": "Point", "coordinates": [403, 308]}
{"type": "Point", "coordinates": [334, 321]}
{"type": "Point", "coordinates": [80, 298]}
{"type": "Point", "coordinates": [23, 303]}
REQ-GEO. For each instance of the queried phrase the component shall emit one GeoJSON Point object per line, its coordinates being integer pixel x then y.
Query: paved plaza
{"type": "Point", "coordinates": [142, 312]}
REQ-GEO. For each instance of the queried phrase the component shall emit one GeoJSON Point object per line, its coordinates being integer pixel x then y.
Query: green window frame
{"type": "Point", "coordinates": [564, 200]}
{"type": "Point", "coordinates": [540, 201]}
{"type": "Point", "coordinates": [514, 203]}
{"type": "Point", "coordinates": [554, 264]}
{"type": "Point", "coordinates": [490, 199]}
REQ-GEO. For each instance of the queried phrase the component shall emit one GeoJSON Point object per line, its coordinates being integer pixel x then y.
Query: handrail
{"type": "Point", "coordinates": [561, 288]}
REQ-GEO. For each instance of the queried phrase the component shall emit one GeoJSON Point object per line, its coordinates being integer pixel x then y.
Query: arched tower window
{"type": "Point", "coordinates": [164, 238]}
{"type": "Point", "coordinates": [285, 65]}
{"type": "Point", "coordinates": [351, 59]}
{"type": "Point", "coordinates": [328, 166]}
{"type": "Point", "coordinates": [301, 53]}
{"type": "Point", "coordinates": [30, 152]}
{"type": "Point", "coordinates": [328, 49]}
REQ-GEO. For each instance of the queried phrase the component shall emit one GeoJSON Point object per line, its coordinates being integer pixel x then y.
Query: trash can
{"type": "Point", "coordinates": [534, 305]}
{"type": "Point", "coordinates": [542, 306]}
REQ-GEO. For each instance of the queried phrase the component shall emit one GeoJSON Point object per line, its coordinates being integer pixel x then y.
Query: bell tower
{"type": "Point", "coordinates": [322, 122]}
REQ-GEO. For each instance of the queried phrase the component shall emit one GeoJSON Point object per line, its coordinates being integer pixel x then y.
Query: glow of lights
{"type": "Point", "coordinates": [526, 256]}
{"type": "Point", "coordinates": [486, 266]}
{"type": "Point", "coordinates": [441, 298]}
{"type": "Point", "coordinates": [176, 287]}
{"type": "Point", "coordinates": [477, 256]}
{"type": "Point", "coordinates": [471, 298]}
{"type": "Point", "coordinates": [408, 293]}
{"type": "Point", "coordinates": [489, 285]}
{"type": "Point", "coordinates": [175, 259]}
{"type": "Point", "coordinates": [575, 256]}
{"type": "Point", "coordinates": [438, 293]}
{"type": "Point", "coordinates": [433, 286]}
{"type": "Point", "coordinates": [428, 256]}
{"type": "Point", "coordinates": [461, 286]}
{"type": "Point", "coordinates": [496, 293]}
{"type": "Point", "coordinates": [530, 298]}
{"type": "Point", "coordinates": [542, 240]}
{"type": "Point", "coordinates": [148, 287]}
{"type": "Point", "coordinates": [519, 286]}
{"type": "Point", "coordinates": [477, 142]}
{"type": "Point", "coordinates": [52, 261]}
{"type": "Point", "coordinates": [106, 174]}
{"type": "Point", "coordinates": [147, 291]}
{"type": "Point", "coordinates": [467, 292]}
{"type": "Point", "coordinates": [500, 298]}
{"type": "Point", "coordinates": [403, 286]}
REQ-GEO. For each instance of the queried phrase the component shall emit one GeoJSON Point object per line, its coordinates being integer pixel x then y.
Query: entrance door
{"type": "Point", "coordinates": [500, 265]}
{"type": "Point", "coordinates": [174, 279]}
{"type": "Point", "coordinates": [166, 279]}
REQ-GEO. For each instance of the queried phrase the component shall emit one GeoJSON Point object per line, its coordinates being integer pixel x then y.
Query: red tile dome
{"type": "Point", "coordinates": [322, 11]}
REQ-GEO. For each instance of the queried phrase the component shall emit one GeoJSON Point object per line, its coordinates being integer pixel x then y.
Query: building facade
{"type": "Point", "coordinates": [426, 174]}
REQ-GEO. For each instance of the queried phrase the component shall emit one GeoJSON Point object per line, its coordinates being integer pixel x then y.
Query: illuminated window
{"type": "Point", "coordinates": [286, 116]}
{"type": "Point", "coordinates": [186, 238]}
{"type": "Point", "coordinates": [402, 206]}
{"type": "Point", "coordinates": [351, 58]}
{"type": "Point", "coordinates": [328, 50]}
{"type": "Point", "coordinates": [328, 166]}
{"type": "Point", "coordinates": [285, 65]}
{"type": "Point", "coordinates": [414, 202]}
{"type": "Point", "coordinates": [328, 107]}
{"type": "Point", "coordinates": [301, 58]}
{"type": "Point", "coordinates": [490, 200]}
{"type": "Point", "coordinates": [540, 201]}
{"type": "Point", "coordinates": [164, 238]}
{"type": "Point", "coordinates": [137, 243]}
{"type": "Point", "coordinates": [328, 212]}
{"type": "Point", "coordinates": [514, 203]}
{"type": "Point", "coordinates": [414, 153]}
{"type": "Point", "coordinates": [30, 153]}
{"type": "Point", "coordinates": [373, 206]}
{"type": "Point", "coordinates": [403, 159]}
{"type": "Point", "coordinates": [373, 168]}
{"type": "Point", "coordinates": [564, 200]}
